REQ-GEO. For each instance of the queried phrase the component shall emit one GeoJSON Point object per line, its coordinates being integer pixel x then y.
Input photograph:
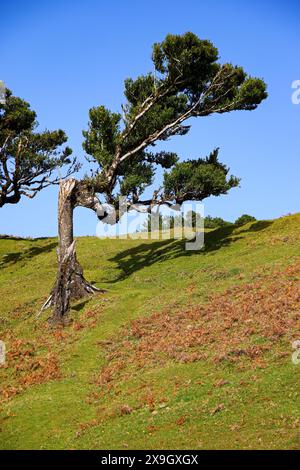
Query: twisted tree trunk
{"type": "Point", "coordinates": [70, 283]}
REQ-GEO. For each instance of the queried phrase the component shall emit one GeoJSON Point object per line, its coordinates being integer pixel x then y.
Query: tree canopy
{"type": "Point", "coordinates": [244, 219]}
{"type": "Point", "coordinates": [28, 159]}
{"type": "Point", "coordinates": [188, 82]}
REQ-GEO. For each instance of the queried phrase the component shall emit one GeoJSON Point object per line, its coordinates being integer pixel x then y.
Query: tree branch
{"type": "Point", "coordinates": [145, 107]}
{"type": "Point", "coordinates": [190, 112]}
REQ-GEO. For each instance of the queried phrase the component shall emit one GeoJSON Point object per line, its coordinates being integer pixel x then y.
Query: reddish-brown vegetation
{"type": "Point", "coordinates": [241, 325]}
{"type": "Point", "coordinates": [28, 367]}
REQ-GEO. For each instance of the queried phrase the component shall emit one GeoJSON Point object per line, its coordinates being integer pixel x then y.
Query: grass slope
{"type": "Point", "coordinates": [181, 352]}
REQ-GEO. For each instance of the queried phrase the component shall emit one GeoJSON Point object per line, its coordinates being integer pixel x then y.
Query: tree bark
{"type": "Point", "coordinates": [70, 283]}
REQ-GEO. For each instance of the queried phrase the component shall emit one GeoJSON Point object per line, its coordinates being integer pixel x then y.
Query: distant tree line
{"type": "Point", "coordinates": [192, 219]}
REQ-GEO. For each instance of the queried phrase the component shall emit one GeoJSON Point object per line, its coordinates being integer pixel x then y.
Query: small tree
{"type": "Point", "coordinates": [244, 219]}
{"type": "Point", "coordinates": [216, 222]}
{"type": "Point", "coordinates": [28, 158]}
{"type": "Point", "coordinates": [188, 82]}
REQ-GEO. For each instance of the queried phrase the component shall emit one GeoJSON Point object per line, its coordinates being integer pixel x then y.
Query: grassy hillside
{"type": "Point", "coordinates": [185, 350]}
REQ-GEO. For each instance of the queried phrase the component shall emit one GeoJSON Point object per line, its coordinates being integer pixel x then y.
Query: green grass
{"type": "Point", "coordinates": [253, 409]}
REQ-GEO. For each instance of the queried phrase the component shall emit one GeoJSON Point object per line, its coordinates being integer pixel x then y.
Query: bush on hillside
{"type": "Point", "coordinates": [244, 219]}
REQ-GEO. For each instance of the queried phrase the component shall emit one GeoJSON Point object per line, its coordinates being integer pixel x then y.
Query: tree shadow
{"type": "Point", "coordinates": [258, 226]}
{"type": "Point", "coordinates": [147, 254]}
{"type": "Point", "coordinates": [79, 306]}
{"type": "Point", "coordinates": [15, 257]}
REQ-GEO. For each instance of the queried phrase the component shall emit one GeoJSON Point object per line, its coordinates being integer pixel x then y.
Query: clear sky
{"type": "Point", "coordinates": [67, 56]}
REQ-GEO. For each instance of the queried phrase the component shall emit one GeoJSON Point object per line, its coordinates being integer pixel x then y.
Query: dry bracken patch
{"type": "Point", "coordinates": [241, 326]}
{"type": "Point", "coordinates": [26, 367]}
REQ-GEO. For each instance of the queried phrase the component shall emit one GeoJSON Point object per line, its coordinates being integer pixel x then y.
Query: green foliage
{"type": "Point", "coordinates": [164, 222]}
{"type": "Point", "coordinates": [135, 180]}
{"type": "Point", "coordinates": [16, 116]}
{"type": "Point", "coordinates": [165, 159]}
{"type": "Point", "coordinates": [102, 136]}
{"type": "Point", "coordinates": [188, 82]}
{"type": "Point", "coordinates": [138, 173]}
{"type": "Point", "coordinates": [250, 92]}
{"type": "Point", "coordinates": [137, 91]}
{"type": "Point", "coordinates": [244, 219]}
{"type": "Point", "coordinates": [215, 222]}
{"type": "Point", "coordinates": [190, 219]}
{"type": "Point", "coordinates": [186, 62]}
{"type": "Point", "coordinates": [27, 157]}
{"type": "Point", "coordinates": [198, 179]}
{"type": "Point", "coordinates": [161, 114]}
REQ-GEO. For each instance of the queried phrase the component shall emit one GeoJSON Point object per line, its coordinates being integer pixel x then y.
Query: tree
{"type": "Point", "coordinates": [216, 222]}
{"type": "Point", "coordinates": [188, 82]}
{"type": "Point", "coordinates": [190, 219]}
{"type": "Point", "coordinates": [28, 158]}
{"type": "Point", "coordinates": [244, 219]}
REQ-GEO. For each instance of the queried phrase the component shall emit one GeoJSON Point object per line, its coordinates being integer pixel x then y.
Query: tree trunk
{"type": "Point", "coordinates": [70, 283]}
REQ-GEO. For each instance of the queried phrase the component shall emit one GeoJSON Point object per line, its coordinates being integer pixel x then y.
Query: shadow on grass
{"type": "Point", "coordinates": [79, 306]}
{"type": "Point", "coordinates": [15, 257]}
{"type": "Point", "coordinates": [257, 226]}
{"type": "Point", "coordinates": [146, 254]}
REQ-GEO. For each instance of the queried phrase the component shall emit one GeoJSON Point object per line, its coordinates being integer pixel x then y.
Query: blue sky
{"type": "Point", "coordinates": [67, 56]}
